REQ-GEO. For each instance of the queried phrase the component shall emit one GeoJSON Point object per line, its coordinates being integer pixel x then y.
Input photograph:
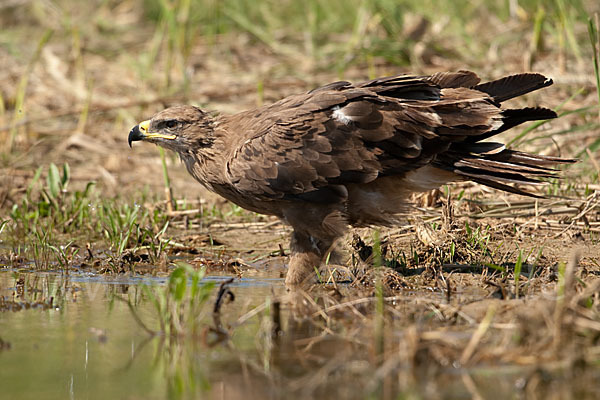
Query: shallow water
{"type": "Point", "coordinates": [87, 345]}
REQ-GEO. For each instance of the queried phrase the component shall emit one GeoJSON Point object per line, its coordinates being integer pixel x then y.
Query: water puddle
{"type": "Point", "coordinates": [75, 337]}
{"type": "Point", "coordinates": [87, 345]}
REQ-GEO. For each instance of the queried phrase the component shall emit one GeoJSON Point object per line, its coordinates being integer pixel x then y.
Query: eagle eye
{"type": "Point", "coordinates": [171, 123]}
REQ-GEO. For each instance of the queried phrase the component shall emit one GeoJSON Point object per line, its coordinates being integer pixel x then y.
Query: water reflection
{"type": "Point", "coordinates": [266, 344]}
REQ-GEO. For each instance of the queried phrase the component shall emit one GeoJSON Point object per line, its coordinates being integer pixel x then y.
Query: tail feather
{"type": "Point", "coordinates": [506, 188]}
{"type": "Point", "coordinates": [500, 167]}
{"type": "Point", "coordinates": [514, 117]}
{"type": "Point", "coordinates": [500, 170]}
{"type": "Point", "coordinates": [513, 86]}
{"type": "Point", "coordinates": [519, 157]}
{"type": "Point", "coordinates": [489, 163]}
{"type": "Point", "coordinates": [502, 177]}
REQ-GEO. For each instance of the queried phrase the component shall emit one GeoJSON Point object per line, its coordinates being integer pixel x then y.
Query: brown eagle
{"type": "Point", "coordinates": [346, 154]}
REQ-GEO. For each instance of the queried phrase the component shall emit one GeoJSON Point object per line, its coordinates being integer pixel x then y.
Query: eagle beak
{"type": "Point", "coordinates": [140, 132]}
{"type": "Point", "coordinates": [135, 134]}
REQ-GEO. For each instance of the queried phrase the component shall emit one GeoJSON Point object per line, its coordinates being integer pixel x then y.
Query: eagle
{"type": "Point", "coordinates": [348, 154]}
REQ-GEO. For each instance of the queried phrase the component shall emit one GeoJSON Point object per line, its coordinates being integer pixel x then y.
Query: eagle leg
{"type": "Point", "coordinates": [307, 253]}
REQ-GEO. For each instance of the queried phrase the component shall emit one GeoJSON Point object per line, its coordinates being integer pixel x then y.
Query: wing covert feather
{"type": "Point", "coordinates": [342, 134]}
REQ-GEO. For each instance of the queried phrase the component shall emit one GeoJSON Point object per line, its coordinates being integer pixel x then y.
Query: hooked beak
{"type": "Point", "coordinates": [140, 132]}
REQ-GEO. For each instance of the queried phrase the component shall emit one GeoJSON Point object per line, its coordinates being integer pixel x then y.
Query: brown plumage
{"type": "Point", "coordinates": [346, 154]}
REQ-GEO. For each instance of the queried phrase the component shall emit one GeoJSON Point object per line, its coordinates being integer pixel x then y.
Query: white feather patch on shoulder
{"type": "Point", "coordinates": [338, 114]}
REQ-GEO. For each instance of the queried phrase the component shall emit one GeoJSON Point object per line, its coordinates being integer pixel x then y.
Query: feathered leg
{"type": "Point", "coordinates": [316, 227]}
{"type": "Point", "coordinates": [307, 254]}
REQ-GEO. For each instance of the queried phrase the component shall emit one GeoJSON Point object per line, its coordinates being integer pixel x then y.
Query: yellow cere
{"type": "Point", "coordinates": [144, 126]}
{"type": "Point", "coordinates": [144, 129]}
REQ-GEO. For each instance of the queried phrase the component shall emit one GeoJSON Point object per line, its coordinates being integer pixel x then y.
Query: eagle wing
{"type": "Point", "coordinates": [309, 146]}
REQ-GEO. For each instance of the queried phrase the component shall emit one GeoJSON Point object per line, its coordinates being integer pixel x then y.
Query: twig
{"type": "Point", "coordinates": [223, 292]}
